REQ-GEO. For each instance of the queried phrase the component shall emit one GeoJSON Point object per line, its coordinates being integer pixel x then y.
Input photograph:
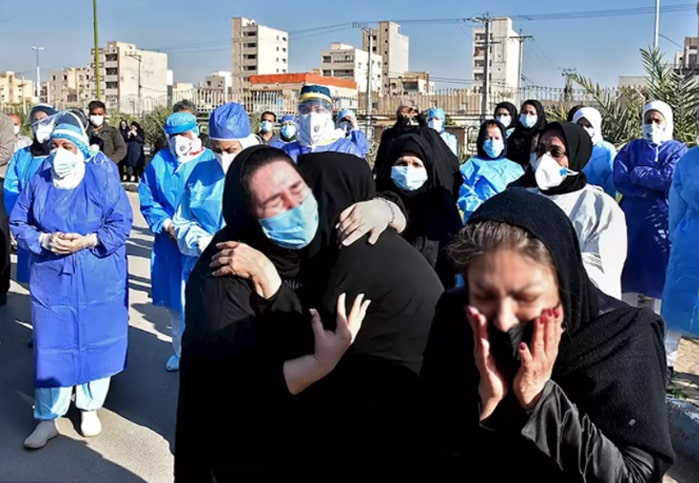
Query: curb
{"type": "Point", "coordinates": [684, 426]}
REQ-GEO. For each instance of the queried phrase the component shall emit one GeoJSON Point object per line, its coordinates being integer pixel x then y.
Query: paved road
{"type": "Point", "coordinates": [139, 416]}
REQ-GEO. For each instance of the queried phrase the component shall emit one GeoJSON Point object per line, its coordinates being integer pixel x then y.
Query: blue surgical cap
{"type": "Point", "coordinates": [180, 122]}
{"type": "Point", "coordinates": [229, 122]}
{"type": "Point", "coordinates": [435, 112]}
{"type": "Point", "coordinates": [345, 113]}
{"type": "Point", "coordinates": [288, 118]}
{"type": "Point", "coordinates": [74, 134]}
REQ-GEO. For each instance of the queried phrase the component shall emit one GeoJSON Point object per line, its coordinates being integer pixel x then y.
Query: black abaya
{"type": "Point", "coordinates": [602, 417]}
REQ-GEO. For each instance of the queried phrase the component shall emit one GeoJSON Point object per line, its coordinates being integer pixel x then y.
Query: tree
{"type": "Point", "coordinates": [154, 126]}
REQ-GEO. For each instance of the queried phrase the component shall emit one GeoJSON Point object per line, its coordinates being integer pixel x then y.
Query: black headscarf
{"type": "Point", "coordinates": [579, 150]}
{"type": "Point", "coordinates": [607, 344]}
{"type": "Point", "coordinates": [512, 109]}
{"type": "Point", "coordinates": [445, 161]}
{"type": "Point", "coordinates": [483, 135]}
{"type": "Point", "coordinates": [40, 149]}
{"type": "Point", "coordinates": [337, 180]}
{"type": "Point", "coordinates": [520, 141]}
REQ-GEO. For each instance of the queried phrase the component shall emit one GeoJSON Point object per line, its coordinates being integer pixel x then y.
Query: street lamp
{"type": "Point", "coordinates": [657, 25]}
{"type": "Point", "coordinates": [38, 72]}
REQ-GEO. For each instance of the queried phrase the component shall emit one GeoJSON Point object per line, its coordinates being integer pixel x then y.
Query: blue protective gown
{"type": "Point", "coordinates": [681, 294]}
{"type": "Point", "coordinates": [643, 174]}
{"type": "Point", "coordinates": [600, 169]}
{"type": "Point", "coordinates": [79, 301]}
{"type": "Point", "coordinates": [23, 166]}
{"type": "Point", "coordinates": [342, 145]}
{"type": "Point", "coordinates": [359, 139]}
{"type": "Point", "coordinates": [451, 141]}
{"type": "Point", "coordinates": [483, 179]}
{"type": "Point", "coordinates": [160, 191]}
{"type": "Point", "coordinates": [200, 213]}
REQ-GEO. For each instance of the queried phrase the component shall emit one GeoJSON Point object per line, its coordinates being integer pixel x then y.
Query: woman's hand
{"type": "Point", "coordinates": [243, 261]}
{"type": "Point", "coordinates": [68, 243]}
{"type": "Point", "coordinates": [538, 360]}
{"type": "Point", "coordinates": [373, 217]}
{"type": "Point", "coordinates": [493, 385]}
{"type": "Point", "coordinates": [330, 345]}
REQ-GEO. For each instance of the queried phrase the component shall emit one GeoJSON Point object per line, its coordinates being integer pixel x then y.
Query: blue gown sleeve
{"type": "Point", "coordinates": [10, 190]}
{"type": "Point", "coordinates": [678, 206]}
{"type": "Point", "coordinates": [469, 200]}
{"type": "Point", "coordinates": [23, 225]}
{"type": "Point", "coordinates": [608, 183]}
{"type": "Point", "coordinates": [187, 231]}
{"type": "Point", "coordinates": [118, 219]}
{"type": "Point", "coordinates": [655, 179]}
{"type": "Point", "coordinates": [622, 180]}
{"type": "Point", "coordinates": [361, 142]}
{"type": "Point", "coordinates": [152, 211]}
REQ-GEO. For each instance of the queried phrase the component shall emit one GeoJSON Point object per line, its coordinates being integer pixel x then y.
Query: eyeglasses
{"type": "Point", "coordinates": [555, 151]}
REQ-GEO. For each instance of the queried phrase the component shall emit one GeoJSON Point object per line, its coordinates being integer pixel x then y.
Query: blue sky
{"type": "Point", "coordinates": [196, 34]}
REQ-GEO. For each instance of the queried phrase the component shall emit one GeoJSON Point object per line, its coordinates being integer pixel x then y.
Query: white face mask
{"type": "Point", "coordinates": [315, 127]}
{"type": "Point", "coordinates": [548, 173]}
{"type": "Point", "coordinates": [16, 128]}
{"type": "Point", "coordinates": [184, 148]}
{"type": "Point", "coordinates": [654, 133]}
{"type": "Point", "coordinates": [64, 162]}
{"type": "Point", "coordinates": [225, 160]}
{"type": "Point", "coordinates": [97, 121]}
{"type": "Point", "coordinates": [504, 120]}
{"type": "Point", "coordinates": [42, 132]}
{"type": "Point", "coordinates": [436, 124]}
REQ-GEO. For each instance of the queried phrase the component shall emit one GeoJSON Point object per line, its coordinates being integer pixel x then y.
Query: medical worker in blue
{"type": "Point", "coordinates": [643, 172]}
{"type": "Point", "coordinates": [347, 121]}
{"type": "Point", "coordinates": [287, 133]}
{"type": "Point", "coordinates": [489, 172]}
{"type": "Point", "coordinates": [75, 219]}
{"type": "Point", "coordinates": [199, 214]}
{"type": "Point", "coordinates": [317, 132]}
{"type": "Point", "coordinates": [23, 166]}
{"type": "Point", "coordinates": [681, 295]}
{"type": "Point", "coordinates": [160, 191]}
{"type": "Point", "coordinates": [437, 120]}
{"type": "Point", "coordinates": [600, 169]}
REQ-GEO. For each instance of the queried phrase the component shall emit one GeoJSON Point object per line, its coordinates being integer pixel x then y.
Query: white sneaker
{"type": "Point", "coordinates": [44, 431]}
{"type": "Point", "coordinates": [90, 424]}
{"type": "Point", "coordinates": [173, 364]}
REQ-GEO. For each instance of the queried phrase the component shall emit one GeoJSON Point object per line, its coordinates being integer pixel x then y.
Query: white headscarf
{"type": "Point", "coordinates": [666, 111]}
{"type": "Point", "coordinates": [594, 117]}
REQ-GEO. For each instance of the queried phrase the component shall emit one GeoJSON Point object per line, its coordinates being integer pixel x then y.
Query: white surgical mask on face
{"type": "Point", "coordinates": [183, 148]}
{"type": "Point", "coordinates": [315, 127]}
{"type": "Point", "coordinates": [225, 160]}
{"type": "Point", "coordinates": [42, 132]}
{"type": "Point", "coordinates": [97, 121]}
{"type": "Point", "coordinates": [64, 162]}
{"type": "Point", "coordinates": [504, 120]}
{"type": "Point", "coordinates": [548, 173]}
{"type": "Point", "coordinates": [654, 133]}
{"type": "Point", "coordinates": [436, 124]}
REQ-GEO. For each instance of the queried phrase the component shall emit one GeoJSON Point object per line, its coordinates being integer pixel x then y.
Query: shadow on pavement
{"type": "Point", "coordinates": [158, 316]}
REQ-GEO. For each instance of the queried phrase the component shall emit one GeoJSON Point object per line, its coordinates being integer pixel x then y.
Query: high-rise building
{"type": "Point", "coordinates": [15, 90]}
{"type": "Point", "coordinates": [257, 50]}
{"type": "Point", "coordinates": [133, 80]}
{"type": "Point", "coordinates": [392, 46]}
{"type": "Point", "coordinates": [343, 61]}
{"type": "Point", "coordinates": [71, 87]}
{"type": "Point", "coordinates": [504, 52]}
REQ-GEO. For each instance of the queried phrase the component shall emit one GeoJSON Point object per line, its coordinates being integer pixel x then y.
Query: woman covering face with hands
{"type": "Point", "coordinates": [531, 361]}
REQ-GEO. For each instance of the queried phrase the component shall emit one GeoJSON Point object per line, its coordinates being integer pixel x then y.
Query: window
{"type": "Point", "coordinates": [251, 56]}
{"type": "Point", "coordinates": [65, 77]}
{"type": "Point", "coordinates": [249, 67]}
{"type": "Point", "coordinates": [283, 49]}
{"type": "Point", "coordinates": [251, 45]}
{"type": "Point", "coordinates": [111, 71]}
{"type": "Point", "coordinates": [327, 59]}
{"type": "Point", "coordinates": [250, 33]}
{"type": "Point", "coordinates": [111, 57]}
{"type": "Point", "coordinates": [283, 39]}
{"type": "Point", "coordinates": [277, 49]}
{"type": "Point", "coordinates": [277, 59]}
{"type": "Point", "coordinates": [327, 73]}
{"type": "Point", "coordinates": [54, 77]}
{"type": "Point", "coordinates": [284, 61]}
{"type": "Point", "coordinates": [284, 70]}
{"type": "Point", "coordinates": [112, 85]}
{"type": "Point", "coordinates": [277, 71]}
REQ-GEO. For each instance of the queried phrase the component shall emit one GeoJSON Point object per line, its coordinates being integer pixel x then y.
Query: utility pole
{"type": "Point", "coordinates": [521, 38]}
{"type": "Point", "coordinates": [98, 87]}
{"type": "Point", "coordinates": [370, 35]}
{"type": "Point", "coordinates": [38, 72]}
{"type": "Point", "coordinates": [568, 90]}
{"type": "Point", "coordinates": [656, 31]}
{"type": "Point", "coordinates": [139, 58]}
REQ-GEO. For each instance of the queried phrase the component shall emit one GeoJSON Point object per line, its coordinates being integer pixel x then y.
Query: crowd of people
{"type": "Point", "coordinates": [422, 319]}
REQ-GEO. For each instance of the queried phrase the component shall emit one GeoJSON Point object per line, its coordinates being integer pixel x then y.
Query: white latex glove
{"type": "Point", "coordinates": [373, 217]}
{"type": "Point", "coordinates": [203, 242]}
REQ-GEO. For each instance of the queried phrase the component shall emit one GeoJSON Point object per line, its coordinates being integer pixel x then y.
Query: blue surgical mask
{"type": "Point", "coordinates": [528, 120]}
{"type": "Point", "coordinates": [266, 126]}
{"type": "Point", "coordinates": [295, 228]}
{"type": "Point", "coordinates": [288, 131]}
{"type": "Point", "coordinates": [408, 178]}
{"type": "Point", "coordinates": [493, 147]}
